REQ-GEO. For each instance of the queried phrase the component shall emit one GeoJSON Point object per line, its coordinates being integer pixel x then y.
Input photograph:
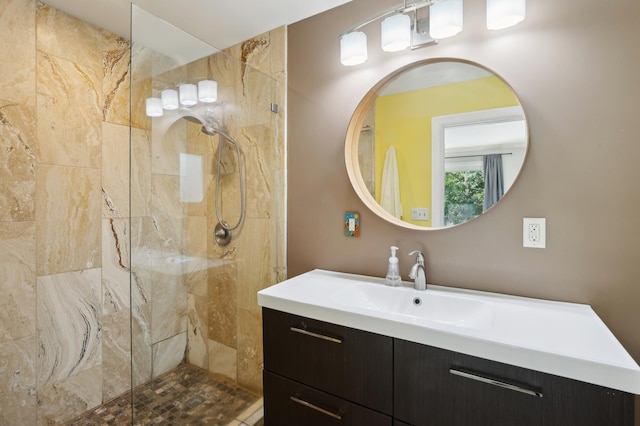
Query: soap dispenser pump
{"type": "Point", "coordinates": [393, 273]}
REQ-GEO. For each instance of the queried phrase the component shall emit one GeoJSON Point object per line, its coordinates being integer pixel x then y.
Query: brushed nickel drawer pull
{"type": "Point", "coordinates": [475, 376]}
{"type": "Point", "coordinates": [316, 335]}
{"type": "Point", "coordinates": [315, 407]}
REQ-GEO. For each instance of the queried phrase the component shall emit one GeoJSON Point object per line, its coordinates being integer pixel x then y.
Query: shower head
{"type": "Point", "coordinates": [206, 121]}
{"type": "Point", "coordinates": [209, 130]}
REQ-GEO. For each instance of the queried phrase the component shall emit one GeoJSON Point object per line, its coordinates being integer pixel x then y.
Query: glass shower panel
{"type": "Point", "coordinates": [194, 313]}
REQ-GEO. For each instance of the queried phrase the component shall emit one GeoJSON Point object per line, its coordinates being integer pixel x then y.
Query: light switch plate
{"type": "Point", "coordinates": [352, 224]}
{"type": "Point", "coordinates": [534, 232]}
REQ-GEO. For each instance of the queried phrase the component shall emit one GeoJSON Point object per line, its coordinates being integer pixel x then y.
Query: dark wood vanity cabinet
{"type": "Point", "coordinates": [316, 372]}
{"type": "Point", "coordinates": [435, 387]}
{"type": "Point", "coordinates": [324, 374]}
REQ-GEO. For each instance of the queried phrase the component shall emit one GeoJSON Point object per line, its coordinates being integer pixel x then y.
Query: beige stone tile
{"type": "Point", "coordinates": [223, 360]}
{"type": "Point", "coordinates": [278, 53]}
{"type": "Point", "coordinates": [69, 325]}
{"type": "Point", "coordinates": [141, 350]}
{"type": "Point", "coordinates": [115, 265]}
{"type": "Point", "coordinates": [250, 360]}
{"type": "Point", "coordinates": [17, 161]}
{"type": "Point", "coordinates": [142, 241]}
{"type": "Point", "coordinates": [168, 353]}
{"type": "Point", "coordinates": [255, 261]}
{"type": "Point", "coordinates": [168, 140]}
{"type": "Point", "coordinates": [165, 197]}
{"type": "Point", "coordinates": [222, 304]}
{"type": "Point", "coordinates": [169, 305]}
{"type": "Point", "coordinates": [115, 170]}
{"type": "Point", "coordinates": [197, 352]}
{"type": "Point", "coordinates": [69, 108]}
{"type": "Point", "coordinates": [281, 230]}
{"type": "Point", "coordinates": [141, 69]}
{"type": "Point", "coordinates": [18, 381]}
{"type": "Point", "coordinates": [68, 398]}
{"type": "Point", "coordinates": [17, 280]}
{"type": "Point", "coordinates": [17, 44]}
{"type": "Point", "coordinates": [68, 220]}
{"type": "Point", "coordinates": [140, 172]}
{"type": "Point", "coordinates": [257, 92]}
{"type": "Point", "coordinates": [116, 84]}
{"type": "Point", "coordinates": [197, 236]}
{"type": "Point", "coordinates": [258, 151]}
{"type": "Point", "coordinates": [66, 37]}
{"type": "Point", "coordinates": [116, 354]}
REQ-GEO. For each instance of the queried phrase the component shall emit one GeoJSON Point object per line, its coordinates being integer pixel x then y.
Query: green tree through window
{"type": "Point", "coordinates": [463, 196]}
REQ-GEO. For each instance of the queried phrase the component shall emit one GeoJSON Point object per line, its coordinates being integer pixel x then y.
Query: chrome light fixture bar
{"type": "Point", "coordinates": [445, 19]}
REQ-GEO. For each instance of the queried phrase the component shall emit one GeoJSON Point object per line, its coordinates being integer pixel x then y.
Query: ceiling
{"type": "Point", "coordinates": [220, 23]}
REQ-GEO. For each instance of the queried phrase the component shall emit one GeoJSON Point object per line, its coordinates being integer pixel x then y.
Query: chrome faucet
{"type": "Point", "coordinates": [418, 273]}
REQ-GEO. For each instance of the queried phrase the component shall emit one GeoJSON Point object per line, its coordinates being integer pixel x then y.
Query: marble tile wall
{"type": "Point", "coordinates": [66, 221]}
{"type": "Point", "coordinates": [255, 257]}
{"type": "Point", "coordinates": [64, 209]}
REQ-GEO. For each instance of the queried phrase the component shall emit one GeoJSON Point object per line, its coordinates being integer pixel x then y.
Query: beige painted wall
{"type": "Point", "coordinates": [574, 65]}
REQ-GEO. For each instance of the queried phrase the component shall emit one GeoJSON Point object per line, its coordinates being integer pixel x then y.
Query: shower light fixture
{"type": "Point", "coordinates": [444, 19]}
{"type": "Point", "coordinates": [187, 95]}
{"type": "Point", "coordinates": [169, 99]}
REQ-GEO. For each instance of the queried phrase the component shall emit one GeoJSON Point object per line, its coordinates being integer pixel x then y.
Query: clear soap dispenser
{"type": "Point", "coordinates": [393, 273]}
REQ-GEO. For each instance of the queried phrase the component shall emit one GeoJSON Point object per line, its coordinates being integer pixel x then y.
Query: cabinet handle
{"type": "Point", "coordinates": [483, 379]}
{"type": "Point", "coordinates": [315, 407]}
{"type": "Point", "coordinates": [316, 335]}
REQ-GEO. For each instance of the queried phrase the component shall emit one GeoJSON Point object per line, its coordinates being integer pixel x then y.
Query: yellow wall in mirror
{"type": "Point", "coordinates": [404, 121]}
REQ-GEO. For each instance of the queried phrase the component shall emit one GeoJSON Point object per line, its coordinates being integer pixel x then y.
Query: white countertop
{"type": "Point", "coordinates": [565, 339]}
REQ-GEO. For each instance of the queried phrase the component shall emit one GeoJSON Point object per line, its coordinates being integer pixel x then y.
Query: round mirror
{"type": "Point", "coordinates": [436, 144]}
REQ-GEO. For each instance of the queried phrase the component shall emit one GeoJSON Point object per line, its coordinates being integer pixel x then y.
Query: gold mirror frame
{"type": "Point", "coordinates": [356, 125]}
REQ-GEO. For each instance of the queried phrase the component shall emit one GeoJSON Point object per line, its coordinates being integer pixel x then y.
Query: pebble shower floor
{"type": "Point", "coordinates": [185, 396]}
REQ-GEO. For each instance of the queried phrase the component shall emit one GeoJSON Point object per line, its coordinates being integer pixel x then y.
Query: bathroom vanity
{"type": "Point", "coordinates": [345, 349]}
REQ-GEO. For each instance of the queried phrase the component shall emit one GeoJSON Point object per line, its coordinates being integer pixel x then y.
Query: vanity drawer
{"type": "Point", "coordinates": [289, 403]}
{"type": "Point", "coordinates": [352, 364]}
{"type": "Point", "coordinates": [436, 387]}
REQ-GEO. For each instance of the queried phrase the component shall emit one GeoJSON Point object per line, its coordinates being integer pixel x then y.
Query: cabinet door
{"type": "Point", "coordinates": [570, 402]}
{"type": "Point", "coordinates": [288, 403]}
{"type": "Point", "coordinates": [434, 387]}
{"type": "Point", "coordinates": [352, 364]}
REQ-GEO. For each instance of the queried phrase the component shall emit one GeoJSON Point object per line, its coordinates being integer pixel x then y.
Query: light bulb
{"type": "Point", "coordinates": [188, 94]}
{"type": "Point", "coordinates": [207, 91]}
{"type": "Point", "coordinates": [353, 48]}
{"type": "Point", "coordinates": [395, 33]}
{"type": "Point", "coordinates": [153, 107]}
{"type": "Point", "coordinates": [445, 18]}
{"type": "Point", "coordinates": [169, 99]}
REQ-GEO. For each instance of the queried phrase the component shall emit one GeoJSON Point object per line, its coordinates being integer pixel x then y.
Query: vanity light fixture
{"type": "Point", "coordinates": [187, 95]}
{"type": "Point", "coordinates": [443, 19]}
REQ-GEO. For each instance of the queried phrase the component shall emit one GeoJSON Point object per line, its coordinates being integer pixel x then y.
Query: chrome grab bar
{"type": "Point", "coordinates": [495, 382]}
{"type": "Point", "coordinates": [316, 335]}
{"type": "Point", "coordinates": [315, 407]}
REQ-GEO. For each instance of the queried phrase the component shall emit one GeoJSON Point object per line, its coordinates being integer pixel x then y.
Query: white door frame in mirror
{"type": "Point", "coordinates": [438, 128]}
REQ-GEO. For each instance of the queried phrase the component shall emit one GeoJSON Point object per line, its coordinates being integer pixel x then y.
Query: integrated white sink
{"type": "Point", "coordinates": [419, 307]}
{"type": "Point", "coordinates": [565, 339]}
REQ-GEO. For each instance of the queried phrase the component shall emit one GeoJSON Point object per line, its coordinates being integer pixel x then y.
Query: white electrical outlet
{"type": "Point", "coordinates": [419, 213]}
{"type": "Point", "coordinates": [534, 232]}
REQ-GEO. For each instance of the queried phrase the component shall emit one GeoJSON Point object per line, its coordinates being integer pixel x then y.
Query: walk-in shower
{"type": "Point", "coordinates": [215, 167]}
{"type": "Point", "coordinates": [114, 289]}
